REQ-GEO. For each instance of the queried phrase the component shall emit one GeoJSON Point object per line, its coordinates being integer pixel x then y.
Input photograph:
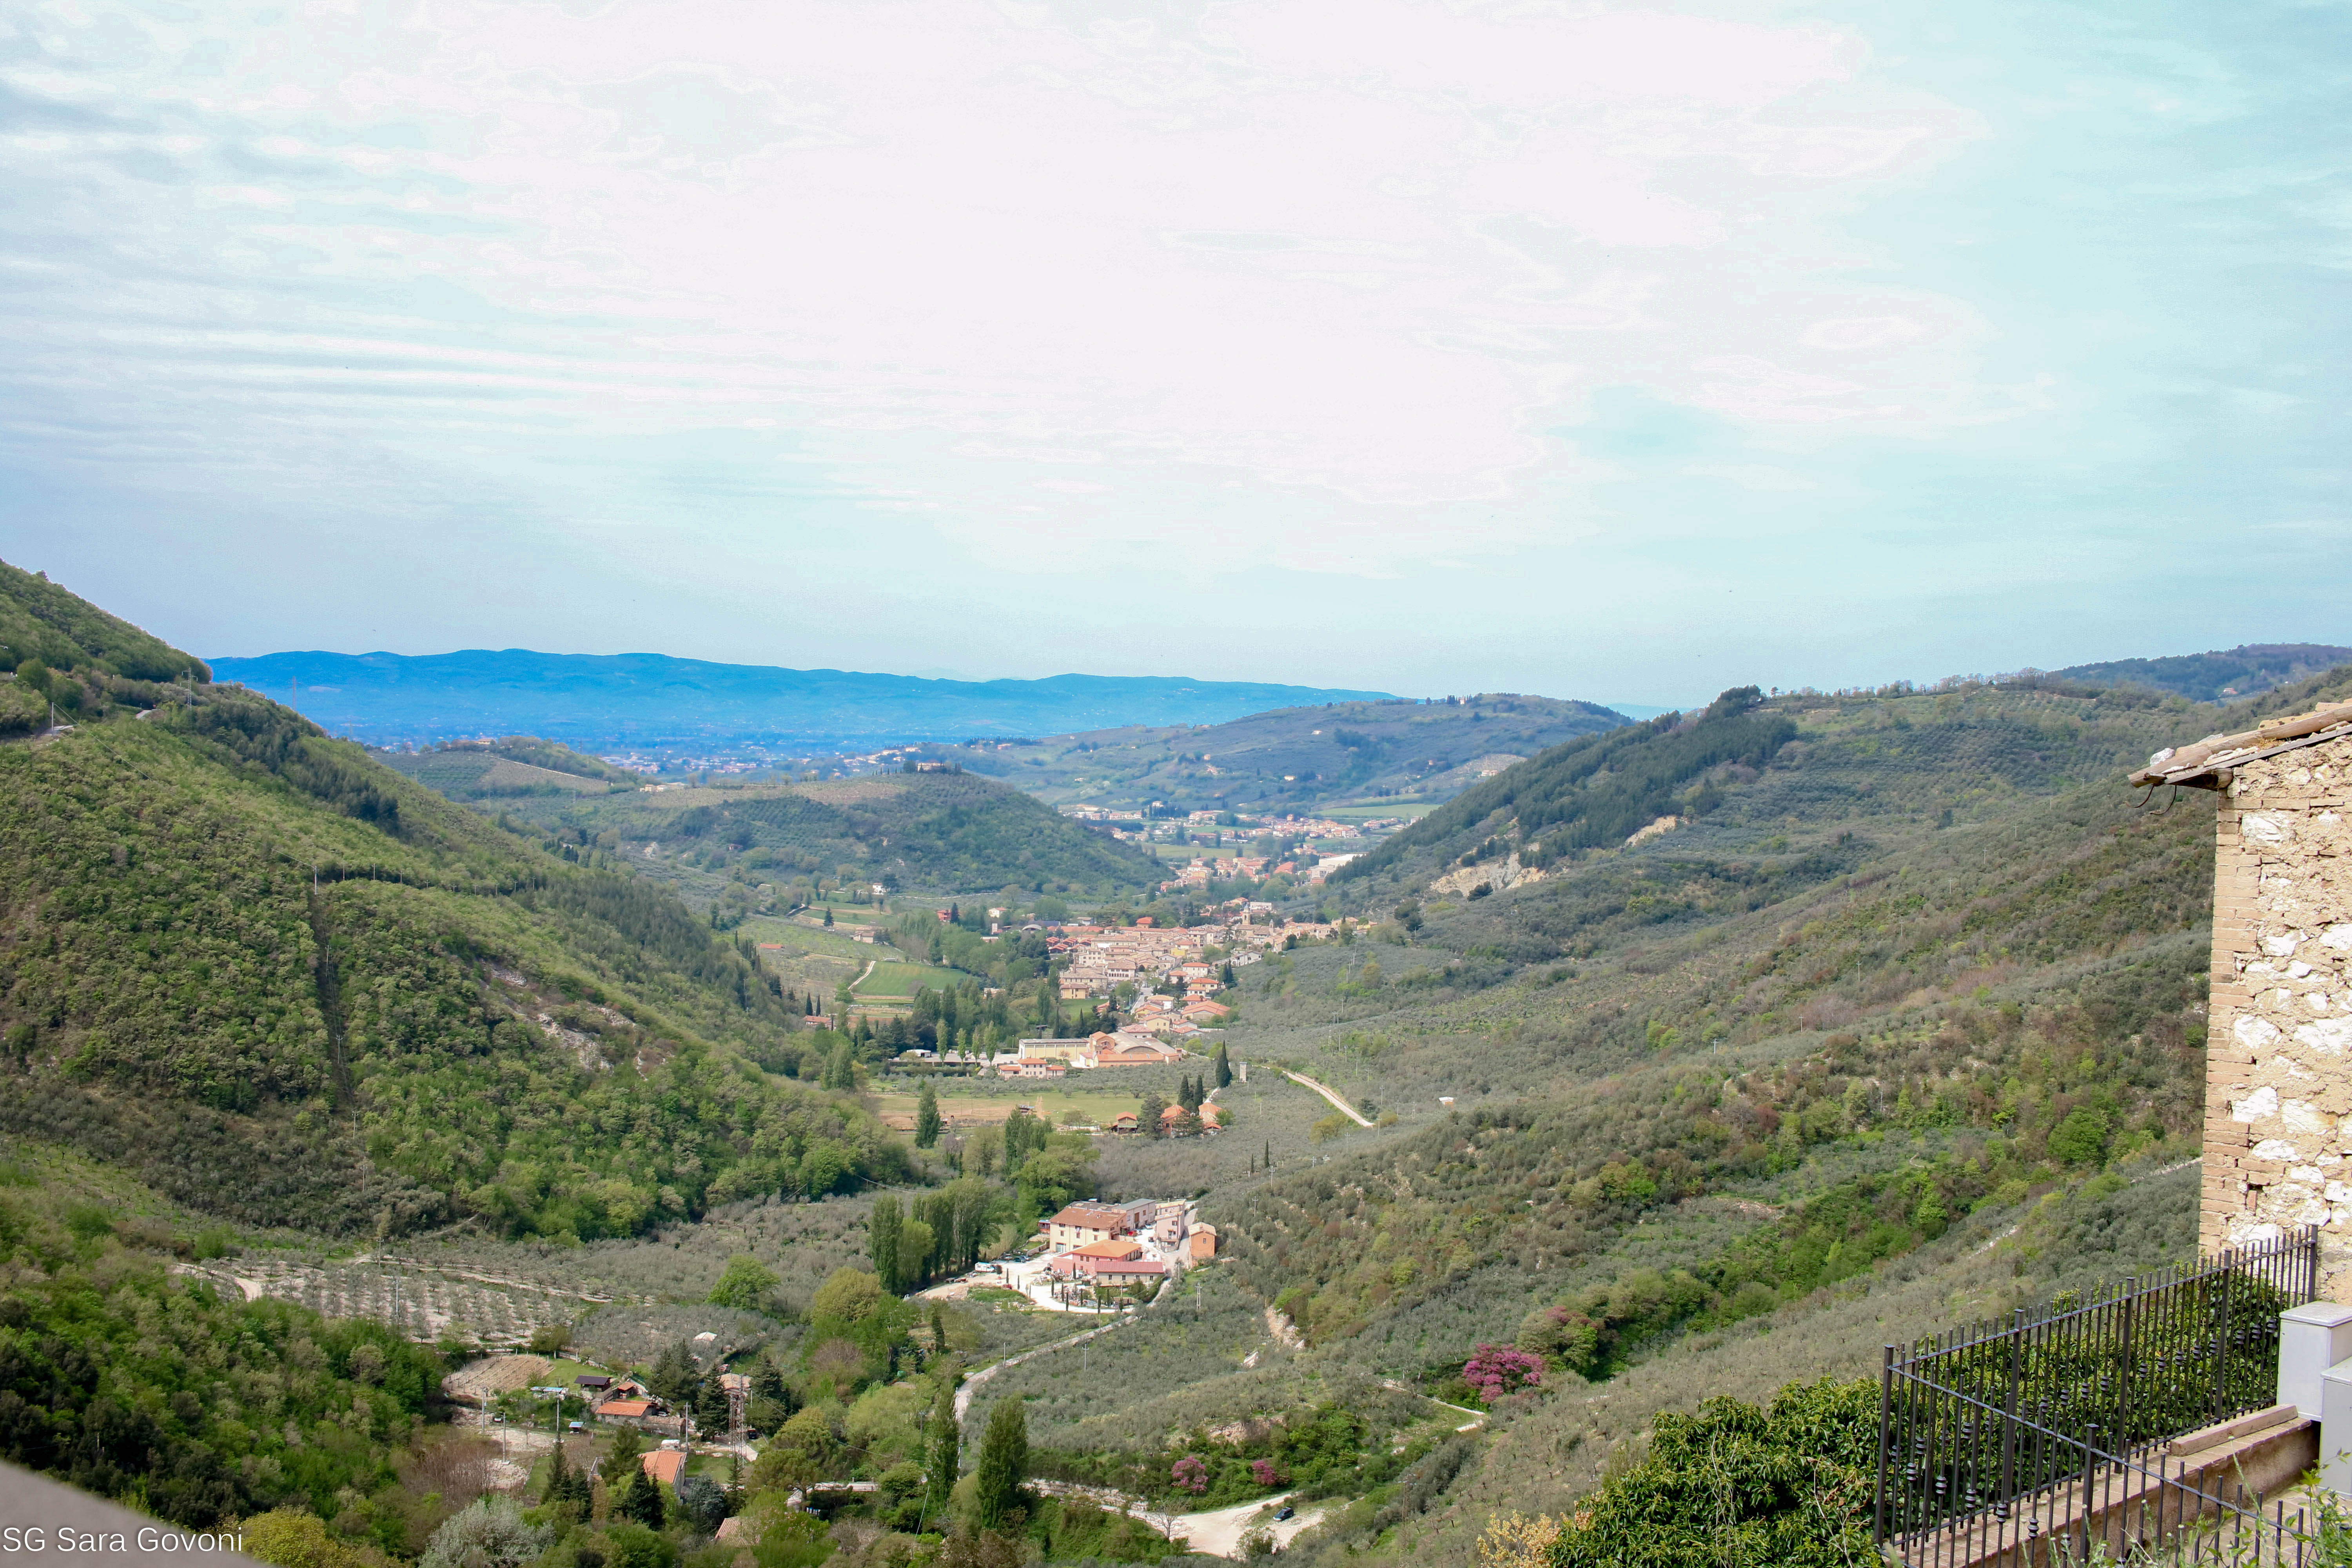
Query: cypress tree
{"type": "Point", "coordinates": [1003, 1463]}
{"type": "Point", "coordinates": [939, 1461]}
{"type": "Point", "coordinates": [558, 1477]}
{"type": "Point", "coordinates": [1224, 1068]}
{"type": "Point", "coordinates": [882, 1242]}
{"type": "Point", "coordinates": [927, 1117]}
{"type": "Point", "coordinates": [640, 1499]}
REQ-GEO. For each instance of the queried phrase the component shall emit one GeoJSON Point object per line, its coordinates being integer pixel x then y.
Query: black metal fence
{"type": "Point", "coordinates": [2024, 1428]}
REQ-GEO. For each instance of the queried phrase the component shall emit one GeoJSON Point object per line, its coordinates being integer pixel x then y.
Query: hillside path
{"type": "Point", "coordinates": [1325, 1091]}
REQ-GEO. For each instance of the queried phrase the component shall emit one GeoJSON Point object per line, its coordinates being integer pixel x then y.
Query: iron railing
{"type": "Point", "coordinates": [2012, 1429]}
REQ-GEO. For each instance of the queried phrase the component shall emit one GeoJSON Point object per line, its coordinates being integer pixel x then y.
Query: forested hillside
{"type": "Point", "coordinates": [280, 982]}
{"type": "Point", "coordinates": [927, 832]}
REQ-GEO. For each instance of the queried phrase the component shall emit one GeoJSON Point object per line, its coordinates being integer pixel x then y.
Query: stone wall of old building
{"type": "Point", "coordinates": [2278, 1099]}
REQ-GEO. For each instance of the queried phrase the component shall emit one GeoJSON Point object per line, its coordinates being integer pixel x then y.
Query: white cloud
{"type": "Point", "coordinates": [1360, 257]}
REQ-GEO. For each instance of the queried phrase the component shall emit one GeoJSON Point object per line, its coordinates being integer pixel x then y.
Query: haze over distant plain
{"type": "Point", "coordinates": [1593, 348]}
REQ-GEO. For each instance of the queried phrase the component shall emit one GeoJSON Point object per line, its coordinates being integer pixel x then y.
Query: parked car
{"type": "Point", "coordinates": [1285, 1511]}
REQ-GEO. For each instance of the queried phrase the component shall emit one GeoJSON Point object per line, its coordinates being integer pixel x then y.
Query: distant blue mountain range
{"type": "Point", "coordinates": [653, 701]}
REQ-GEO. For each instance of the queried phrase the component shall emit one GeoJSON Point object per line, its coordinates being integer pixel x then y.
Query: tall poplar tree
{"type": "Point", "coordinates": [927, 1117]}
{"type": "Point", "coordinates": [882, 1242]}
{"type": "Point", "coordinates": [939, 1458]}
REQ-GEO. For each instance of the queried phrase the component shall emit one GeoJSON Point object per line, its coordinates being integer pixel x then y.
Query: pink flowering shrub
{"type": "Point", "coordinates": [1498, 1370]}
{"type": "Point", "coordinates": [1189, 1475]}
{"type": "Point", "coordinates": [1263, 1473]}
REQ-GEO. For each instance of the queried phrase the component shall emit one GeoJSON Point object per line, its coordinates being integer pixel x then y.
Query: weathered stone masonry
{"type": "Point", "coordinates": [2278, 1093]}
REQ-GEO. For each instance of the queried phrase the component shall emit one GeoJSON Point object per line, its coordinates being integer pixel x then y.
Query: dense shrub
{"type": "Point", "coordinates": [1784, 1487]}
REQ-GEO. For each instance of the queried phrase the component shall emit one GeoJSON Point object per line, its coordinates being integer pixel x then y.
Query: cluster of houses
{"type": "Point", "coordinates": [1102, 958]}
{"type": "Point", "coordinates": [1204, 870]}
{"type": "Point", "coordinates": [1094, 1246]}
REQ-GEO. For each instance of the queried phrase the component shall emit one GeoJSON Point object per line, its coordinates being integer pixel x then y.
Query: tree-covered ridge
{"type": "Point", "coordinates": [1969, 750]}
{"type": "Point", "coordinates": [279, 980]}
{"type": "Point", "coordinates": [39, 620]}
{"type": "Point", "coordinates": [1594, 791]}
{"type": "Point", "coordinates": [1289, 758]}
{"type": "Point", "coordinates": [2218, 675]}
{"type": "Point", "coordinates": [936, 832]}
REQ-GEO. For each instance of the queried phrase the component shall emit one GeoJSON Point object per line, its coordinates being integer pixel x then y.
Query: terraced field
{"type": "Point", "coordinates": [425, 1302]}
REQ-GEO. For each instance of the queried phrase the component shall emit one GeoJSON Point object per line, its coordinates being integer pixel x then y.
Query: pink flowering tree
{"type": "Point", "coordinates": [1498, 1370]}
{"type": "Point", "coordinates": [1189, 1475]}
{"type": "Point", "coordinates": [1263, 1473]}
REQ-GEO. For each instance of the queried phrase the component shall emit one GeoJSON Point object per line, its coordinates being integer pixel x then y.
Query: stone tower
{"type": "Point", "coordinates": [2278, 1083]}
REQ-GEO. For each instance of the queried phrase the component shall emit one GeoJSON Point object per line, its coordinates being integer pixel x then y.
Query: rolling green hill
{"type": "Point", "coordinates": [278, 981]}
{"type": "Point", "coordinates": [511, 766]}
{"type": "Point", "coordinates": [1397, 751]}
{"type": "Point", "coordinates": [930, 832]}
{"type": "Point", "coordinates": [2223, 676]}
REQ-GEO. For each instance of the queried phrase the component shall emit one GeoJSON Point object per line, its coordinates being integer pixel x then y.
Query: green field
{"type": "Point", "coordinates": [905, 979]}
{"type": "Point", "coordinates": [797, 938]}
{"type": "Point", "coordinates": [848, 913]}
{"type": "Point", "coordinates": [1414, 811]}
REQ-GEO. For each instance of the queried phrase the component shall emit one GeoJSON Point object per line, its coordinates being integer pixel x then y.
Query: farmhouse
{"type": "Point", "coordinates": [666, 1466]}
{"type": "Point", "coordinates": [1108, 1263]}
{"type": "Point", "coordinates": [1082, 1225]}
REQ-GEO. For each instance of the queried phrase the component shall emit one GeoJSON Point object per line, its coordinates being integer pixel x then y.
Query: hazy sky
{"type": "Point", "coordinates": [1613, 351]}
